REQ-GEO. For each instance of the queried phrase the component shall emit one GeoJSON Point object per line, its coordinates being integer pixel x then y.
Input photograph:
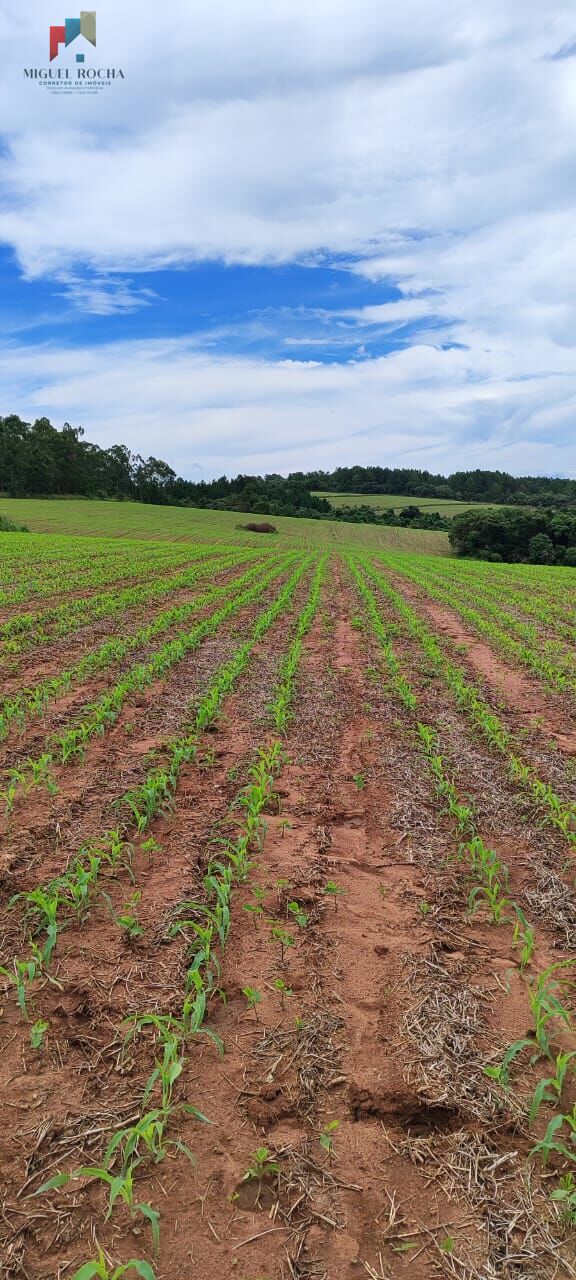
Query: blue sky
{"type": "Point", "coordinates": [297, 236]}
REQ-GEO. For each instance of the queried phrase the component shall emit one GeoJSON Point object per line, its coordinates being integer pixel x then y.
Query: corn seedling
{"type": "Point", "coordinates": [545, 995]}
{"type": "Point", "coordinates": [98, 1269]}
{"type": "Point", "coordinates": [22, 974]}
{"type": "Point", "coordinates": [524, 938]}
{"type": "Point", "coordinates": [120, 1187]}
{"type": "Point", "coordinates": [496, 901]}
{"type": "Point", "coordinates": [565, 1196]}
{"type": "Point", "coordinates": [127, 919]}
{"type": "Point", "coordinates": [550, 1089]}
{"type": "Point", "coordinates": [552, 1138]}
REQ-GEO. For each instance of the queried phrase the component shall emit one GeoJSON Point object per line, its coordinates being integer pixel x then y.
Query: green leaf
{"type": "Point", "coordinates": [153, 1218]}
{"type": "Point", "coordinates": [181, 1146]}
{"type": "Point", "coordinates": [142, 1268]}
{"type": "Point", "coordinates": [89, 1270]}
{"type": "Point", "coordinates": [193, 1111]}
{"type": "Point", "coordinates": [59, 1180]}
{"type": "Point", "coordinates": [87, 1171]}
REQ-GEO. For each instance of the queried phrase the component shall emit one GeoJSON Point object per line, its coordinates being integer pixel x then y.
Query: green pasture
{"type": "Point", "coordinates": [384, 501]}
{"type": "Point", "coordinates": [75, 516]}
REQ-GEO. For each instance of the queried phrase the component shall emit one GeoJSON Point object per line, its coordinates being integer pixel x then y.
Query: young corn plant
{"type": "Point", "coordinates": [127, 919]}
{"type": "Point", "coordinates": [37, 1034]}
{"type": "Point", "coordinates": [120, 1187]}
{"type": "Point", "coordinates": [97, 1269]}
{"type": "Point", "coordinates": [524, 938]}
{"type": "Point", "coordinates": [556, 1139]}
{"type": "Point", "coordinates": [21, 977]}
{"type": "Point", "coordinates": [565, 1197]}
{"type": "Point", "coordinates": [550, 1089]}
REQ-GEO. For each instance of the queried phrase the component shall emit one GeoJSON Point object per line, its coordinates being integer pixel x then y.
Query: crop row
{"type": "Point", "coordinates": [26, 630]}
{"type": "Point", "coordinates": [204, 925]}
{"type": "Point", "coordinates": [561, 814]}
{"type": "Point", "coordinates": [68, 896]}
{"type": "Point", "coordinates": [97, 573]}
{"type": "Point", "coordinates": [550, 661]}
{"type": "Point", "coordinates": [33, 701]}
{"type": "Point", "coordinates": [550, 991]}
{"type": "Point", "coordinates": [108, 555]}
{"type": "Point", "coordinates": [100, 715]}
{"type": "Point", "coordinates": [532, 597]}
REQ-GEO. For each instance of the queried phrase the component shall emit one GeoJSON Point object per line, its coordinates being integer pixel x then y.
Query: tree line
{"type": "Point", "coordinates": [461, 486]}
{"type": "Point", "coordinates": [39, 460]}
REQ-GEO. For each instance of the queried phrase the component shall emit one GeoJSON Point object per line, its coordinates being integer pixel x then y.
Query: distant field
{"type": "Point", "coordinates": [179, 524]}
{"type": "Point", "coordinates": [383, 502]}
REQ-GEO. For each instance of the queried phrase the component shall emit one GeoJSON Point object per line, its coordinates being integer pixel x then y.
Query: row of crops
{"type": "Point", "coordinates": [207, 756]}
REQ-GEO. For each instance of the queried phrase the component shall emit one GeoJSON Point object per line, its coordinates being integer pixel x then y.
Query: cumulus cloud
{"type": "Point", "coordinates": [429, 146]}
{"type": "Point", "coordinates": [422, 405]}
{"type": "Point", "coordinates": [260, 136]}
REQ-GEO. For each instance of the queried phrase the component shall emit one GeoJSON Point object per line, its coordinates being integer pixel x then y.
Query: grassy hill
{"type": "Point", "coordinates": [181, 524]}
{"type": "Point", "coordinates": [383, 502]}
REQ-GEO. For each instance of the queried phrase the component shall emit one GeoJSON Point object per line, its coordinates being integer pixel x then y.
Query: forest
{"type": "Point", "coordinates": [535, 537]}
{"type": "Point", "coordinates": [40, 460]}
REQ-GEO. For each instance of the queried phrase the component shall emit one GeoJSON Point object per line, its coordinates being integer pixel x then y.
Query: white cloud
{"type": "Point", "coordinates": [259, 135]}
{"type": "Point", "coordinates": [429, 144]}
{"type": "Point", "coordinates": [104, 295]}
{"type": "Point", "coordinates": [421, 406]}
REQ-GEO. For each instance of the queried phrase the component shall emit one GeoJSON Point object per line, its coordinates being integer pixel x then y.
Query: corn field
{"type": "Point", "coordinates": [288, 917]}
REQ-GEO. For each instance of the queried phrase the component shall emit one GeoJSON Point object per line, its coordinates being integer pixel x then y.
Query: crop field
{"type": "Point", "coordinates": [384, 501]}
{"type": "Point", "coordinates": [288, 917]}
{"type": "Point", "coordinates": [136, 520]}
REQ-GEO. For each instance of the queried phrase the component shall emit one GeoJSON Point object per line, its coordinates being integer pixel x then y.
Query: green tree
{"type": "Point", "coordinates": [541, 549]}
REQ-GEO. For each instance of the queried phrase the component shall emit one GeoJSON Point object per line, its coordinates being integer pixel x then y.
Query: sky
{"type": "Point", "coordinates": [296, 235]}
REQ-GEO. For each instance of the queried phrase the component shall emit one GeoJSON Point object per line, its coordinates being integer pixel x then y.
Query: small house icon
{"type": "Point", "coordinates": [85, 26]}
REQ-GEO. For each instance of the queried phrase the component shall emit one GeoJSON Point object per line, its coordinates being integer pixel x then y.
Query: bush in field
{"type": "Point", "coordinates": [263, 527]}
{"type": "Point", "coordinates": [9, 526]}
